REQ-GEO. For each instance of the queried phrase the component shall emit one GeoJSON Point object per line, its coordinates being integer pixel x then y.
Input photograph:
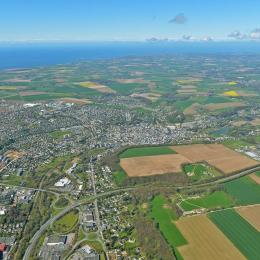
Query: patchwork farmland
{"type": "Point", "coordinates": [218, 156]}
{"type": "Point", "coordinates": [251, 214]}
{"type": "Point", "coordinates": [205, 240]}
{"type": "Point", "coordinates": [243, 235]}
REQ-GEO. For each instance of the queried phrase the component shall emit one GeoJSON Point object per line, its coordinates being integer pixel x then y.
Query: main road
{"type": "Point", "coordinates": [44, 227]}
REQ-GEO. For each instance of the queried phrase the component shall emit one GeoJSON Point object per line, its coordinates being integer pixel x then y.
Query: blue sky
{"type": "Point", "coordinates": [108, 20]}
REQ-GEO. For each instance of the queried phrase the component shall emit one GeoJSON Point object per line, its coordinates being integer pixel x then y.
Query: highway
{"type": "Point", "coordinates": [44, 227]}
{"type": "Point", "coordinates": [28, 188]}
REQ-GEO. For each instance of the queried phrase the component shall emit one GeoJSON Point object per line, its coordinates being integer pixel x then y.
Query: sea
{"type": "Point", "coordinates": [28, 55]}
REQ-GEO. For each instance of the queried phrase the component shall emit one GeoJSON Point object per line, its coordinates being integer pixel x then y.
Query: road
{"type": "Point", "coordinates": [44, 227]}
{"type": "Point", "coordinates": [96, 208]}
{"type": "Point", "coordinates": [29, 188]}
{"type": "Point", "coordinates": [38, 234]}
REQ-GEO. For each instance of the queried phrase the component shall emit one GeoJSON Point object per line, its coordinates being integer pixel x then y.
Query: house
{"type": "Point", "coordinates": [62, 182]}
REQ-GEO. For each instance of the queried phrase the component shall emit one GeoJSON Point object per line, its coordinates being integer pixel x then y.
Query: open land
{"type": "Point", "coordinates": [98, 87]}
{"type": "Point", "coordinates": [244, 236]}
{"type": "Point", "coordinates": [76, 101]}
{"type": "Point", "coordinates": [251, 214]}
{"type": "Point", "coordinates": [153, 165]}
{"type": "Point", "coordinates": [146, 151]}
{"type": "Point", "coordinates": [216, 155]}
{"type": "Point", "coordinates": [255, 177]}
{"type": "Point", "coordinates": [197, 230]}
{"type": "Point", "coordinates": [213, 200]}
{"type": "Point", "coordinates": [244, 190]}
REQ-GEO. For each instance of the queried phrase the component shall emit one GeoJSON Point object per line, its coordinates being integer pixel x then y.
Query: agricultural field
{"type": "Point", "coordinates": [216, 199]}
{"type": "Point", "coordinates": [153, 165]}
{"type": "Point", "coordinates": [244, 236]}
{"type": "Point", "coordinates": [205, 240]}
{"type": "Point", "coordinates": [216, 155]}
{"type": "Point", "coordinates": [244, 190]}
{"type": "Point", "coordinates": [251, 214]}
{"type": "Point", "coordinates": [146, 151]}
{"type": "Point", "coordinates": [148, 161]}
{"type": "Point", "coordinates": [163, 214]}
{"type": "Point", "coordinates": [96, 86]}
{"type": "Point", "coordinates": [255, 177]}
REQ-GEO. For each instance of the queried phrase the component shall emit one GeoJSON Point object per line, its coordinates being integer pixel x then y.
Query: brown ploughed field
{"type": "Point", "coordinates": [205, 240]}
{"type": "Point", "coordinates": [216, 155]}
{"type": "Point", "coordinates": [255, 178]}
{"type": "Point", "coordinates": [251, 214]}
{"type": "Point", "coordinates": [153, 165]}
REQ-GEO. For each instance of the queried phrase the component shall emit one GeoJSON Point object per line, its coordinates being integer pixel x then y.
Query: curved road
{"type": "Point", "coordinates": [38, 234]}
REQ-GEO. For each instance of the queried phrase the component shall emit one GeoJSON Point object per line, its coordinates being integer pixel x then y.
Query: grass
{"type": "Point", "coordinates": [198, 171]}
{"type": "Point", "coordinates": [61, 202]}
{"type": "Point", "coordinates": [81, 235]}
{"type": "Point", "coordinates": [244, 236]}
{"type": "Point", "coordinates": [146, 151]}
{"type": "Point", "coordinates": [244, 191]}
{"type": "Point", "coordinates": [257, 173]}
{"type": "Point", "coordinates": [92, 236]}
{"type": "Point", "coordinates": [235, 144]}
{"type": "Point", "coordinates": [95, 245]}
{"type": "Point", "coordinates": [119, 177]}
{"type": "Point", "coordinates": [213, 200]}
{"type": "Point", "coordinates": [67, 222]}
{"type": "Point", "coordinates": [59, 134]}
{"type": "Point", "coordinates": [165, 217]}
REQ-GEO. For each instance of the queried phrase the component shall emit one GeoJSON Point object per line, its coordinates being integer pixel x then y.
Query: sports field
{"type": "Point", "coordinates": [205, 240]}
{"type": "Point", "coordinates": [251, 214]}
{"type": "Point", "coordinates": [244, 236]}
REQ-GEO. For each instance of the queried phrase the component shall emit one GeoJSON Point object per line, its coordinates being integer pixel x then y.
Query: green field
{"type": "Point", "coordinates": [146, 151]}
{"type": "Point", "coordinates": [66, 223]}
{"type": "Point", "coordinates": [244, 236]}
{"type": "Point", "coordinates": [199, 171]}
{"type": "Point", "coordinates": [213, 200]}
{"type": "Point", "coordinates": [257, 173]}
{"type": "Point", "coordinates": [119, 177]}
{"type": "Point", "coordinates": [244, 190]}
{"type": "Point", "coordinates": [59, 134]}
{"type": "Point", "coordinates": [165, 216]}
{"type": "Point", "coordinates": [61, 202]}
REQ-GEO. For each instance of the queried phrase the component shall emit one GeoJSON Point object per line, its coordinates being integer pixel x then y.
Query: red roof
{"type": "Point", "coordinates": [2, 247]}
